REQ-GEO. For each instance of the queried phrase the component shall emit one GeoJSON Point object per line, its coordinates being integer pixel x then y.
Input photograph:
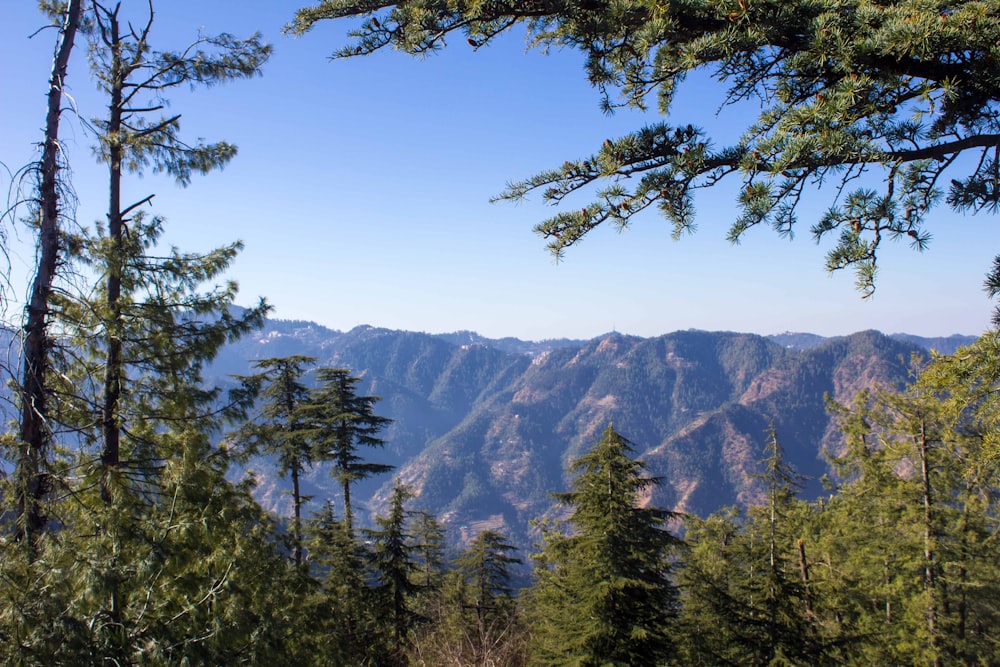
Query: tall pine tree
{"type": "Point", "coordinates": [393, 563]}
{"type": "Point", "coordinates": [341, 422]}
{"type": "Point", "coordinates": [280, 428]}
{"type": "Point", "coordinates": [603, 594]}
{"type": "Point", "coordinates": [32, 451]}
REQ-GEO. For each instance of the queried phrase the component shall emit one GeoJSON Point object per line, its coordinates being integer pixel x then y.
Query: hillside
{"type": "Point", "coordinates": [484, 429]}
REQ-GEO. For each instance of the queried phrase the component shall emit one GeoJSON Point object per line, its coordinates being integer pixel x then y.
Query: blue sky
{"type": "Point", "coordinates": [361, 192]}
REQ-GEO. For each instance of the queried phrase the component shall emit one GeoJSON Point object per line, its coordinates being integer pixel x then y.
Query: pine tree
{"type": "Point", "coordinates": [707, 576]}
{"type": "Point", "coordinates": [429, 548]}
{"type": "Point", "coordinates": [145, 329]}
{"type": "Point", "coordinates": [965, 384]}
{"type": "Point", "coordinates": [603, 594]}
{"type": "Point", "coordinates": [828, 90]}
{"type": "Point", "coordinates": [140, 291]}
{"type": "Point", "coordinates": [473, 619]}
{"type": "Point", "coordinates": [486, 569]}
{"type": "Point", "coordinates": [129, 384]}
{"type": "Point", "coordinates": [918, 509]}
{"type": "Point", "coordinates": [394, 566]}
{"type": "Point", "coordinates": [159, 559]}
{"type": "Point", "coordinates": [280, 429]}
{"type": "Point", "coordinates": [785, 602]}
{"type": "Point", "coordinates": [34, 428]}
{"type": "Point", "coordinates": [341, 422]}
{"type": "Point", "coordinates": [344, 606]}
{"type": "Point", "coordinates": [748, 595]}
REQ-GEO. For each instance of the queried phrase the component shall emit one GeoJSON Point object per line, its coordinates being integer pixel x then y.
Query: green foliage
{"type": "Point", "coordinates": [486, 566]}
{"type": "Point", "coordinates": [338, 423]}
{"type": "Point", "coordinates": [280, 429]}
{"type": "Point", "coordinates": [746, 579]}
{"type": "Point", "coordinates": [347, 629]}
{"type": "Point", "coordinates": [393, 564]}
{"type": "Point", "coordinates": [902, 94]}
{"type": "Point", "coordinates": [473, 620]}
{"type": "Point", "coordinates": [189, 575]}
{"type": "Point", "coordinates": [897, 566]}
{"type": "Point", "coordinates": [127, 68]}
{"type": "Point", "coordinates": [154, 557]}
{"type": "Point", "coordinates": [429, 545]}
{"type": "Point", "coordinates": [920, 486]}
{"type": "Point", "coordinates": [603, 594]}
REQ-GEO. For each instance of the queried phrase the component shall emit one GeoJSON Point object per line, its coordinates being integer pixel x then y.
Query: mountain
{"type": "Point", "coordinates": [484, 429]}
{"type": "Point", "coordinates": [941, 344]}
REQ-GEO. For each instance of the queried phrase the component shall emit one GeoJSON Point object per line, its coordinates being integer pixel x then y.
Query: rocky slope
{"type": "Point", "coordinates": [484, 429]}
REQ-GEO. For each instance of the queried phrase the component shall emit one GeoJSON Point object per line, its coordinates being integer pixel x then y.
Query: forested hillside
{"type": "Point", "coordinates": [483, 431]}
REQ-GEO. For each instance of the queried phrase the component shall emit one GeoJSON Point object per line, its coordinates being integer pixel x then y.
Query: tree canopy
{"type": "Point", "coordinates": [892, 106]}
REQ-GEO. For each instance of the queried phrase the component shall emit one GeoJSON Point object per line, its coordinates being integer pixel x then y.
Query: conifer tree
{"type": "Point", "coordinates": [130, 384]}
{"type": "Point", "coordinates": [748, 598]}
{"type": "Point", "coordinates": [785, 603]}
{"type": "Point", "coordinates": [474, 620]}
{"type": "Point", "coordinates": [341, 422]}
{"type": "Point", "coordinates": [280, 429]}
{"type": "Point", "coordinates": [344, 606]}
{"type": "Point", "coordinates": [32, 450]}
{"type": "Point", "coordinates": [429, 546]}
{"type": "Point", "coordinates": [485, 567]}
{"type": "Point", "coordinates": [603, 594]}
{"type": "Point", "coordinates": [921, 505]}
{"type": "Point", "coordinates": [139, 290]}
{"type": "Point", "coordinates": [707, 576]}
{"type": "Point", "coordinates": [394, 567]}
{"type": "Point", "coordinates": [159, 559]}
{"type": "Point", "coordinates": [904, 91]}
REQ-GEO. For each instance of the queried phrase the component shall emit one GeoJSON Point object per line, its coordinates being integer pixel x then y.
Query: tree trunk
{"type": "Point", "coordinates": [348, 512]}
{"type": "Point", "coordinates": [33, 482]}
{"type": "Point", "coordinates": [110, 423]}
{"type": "Point", "coordinates": [804, 571]}
{"type": "Point", "coordinates": [930, 567]}
{"type": "Point", "coordinates": [297, 507]}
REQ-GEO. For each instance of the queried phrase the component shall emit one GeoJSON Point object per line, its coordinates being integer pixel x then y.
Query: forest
{"type": "Point", "coordinates": [125, 541]}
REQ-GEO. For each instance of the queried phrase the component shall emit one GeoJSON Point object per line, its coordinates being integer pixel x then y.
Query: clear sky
{"type": "Point", "coordinates": [361, 192]}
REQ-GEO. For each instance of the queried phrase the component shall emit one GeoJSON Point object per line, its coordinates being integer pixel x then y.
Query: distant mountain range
{"type": "Point", "coordinates": [484, 428]}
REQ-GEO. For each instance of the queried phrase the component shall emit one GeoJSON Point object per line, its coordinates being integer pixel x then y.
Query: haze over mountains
{"type": "Point", "coordinates": [483, 429]}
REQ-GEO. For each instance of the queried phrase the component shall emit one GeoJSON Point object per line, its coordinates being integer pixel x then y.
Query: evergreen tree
{"type": "Point", "coordinates": [344, 607]}
{"type": "Point", "coordinates": [159, 559]}
{"type": "Point", "coordinates": [130, 382]}
{"type": "Point", "coordinates": [394, 567]}
{"type": "Point", "coordinates": [919, 503]}
{"type": "Point", "coordinates": [138, 290]}
{"type": "Point", "coordinates": [340, 423]}
{"type": "Point", "coordinates": [474, 621]}
{"type": "Point", "coordinates": [603, 594]}
{"type": "Point", "coordinates": [280, 428]}
{"type": "Point", "coordinates": [707, 575]}
{"type": "Point", "coordinates": [748, 595]}
{"type": "Point", "coordinates": [32, 450]}
{"type": "Point", "coordinates": [429, 547]}
{"type": "Point", "coordinates": [786, 604]}
{"type": "Point", "coordinates": [485, 567]}
{"type": "Point", "coordinates": [835, 89]}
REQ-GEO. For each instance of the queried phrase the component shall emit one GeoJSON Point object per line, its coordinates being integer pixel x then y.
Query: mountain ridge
{"type": "Point", "coordinates": [483, 430]}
